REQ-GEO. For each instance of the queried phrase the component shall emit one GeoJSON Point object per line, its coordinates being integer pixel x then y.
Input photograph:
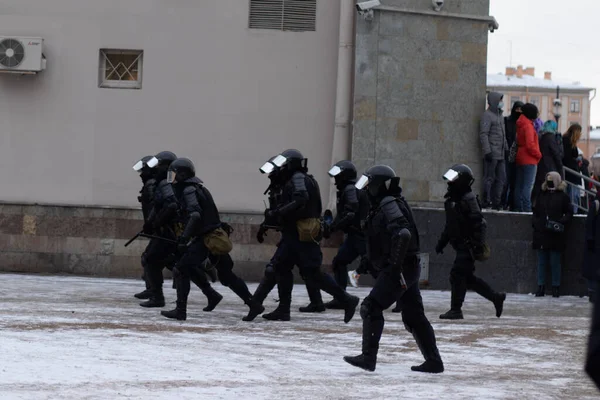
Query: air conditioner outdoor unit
{"type": "Point", "coordinates": [21, 55]}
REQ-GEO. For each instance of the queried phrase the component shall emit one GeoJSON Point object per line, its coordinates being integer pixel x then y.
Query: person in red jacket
{"type": "Point", "coordinates": [528, 157]}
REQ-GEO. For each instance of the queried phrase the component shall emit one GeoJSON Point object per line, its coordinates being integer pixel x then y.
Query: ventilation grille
{"type": "Point", "coordinates": [283, 15]}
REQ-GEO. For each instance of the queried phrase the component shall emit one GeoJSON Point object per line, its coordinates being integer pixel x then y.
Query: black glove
{"type": "Point", "coordinates": [260, 235]}
{"type": "Point", "coordinates": [488, 157]}
{"type": "Point", "coordinates": [148, 228]}
{"type": "Point", "coordinates": [439, 248]}
{"type": "Point", "coordinates": [591, 246]}
{"type": "Point", "coordinates": [269, 214]}
{"type": "Point", "coordinates": [182, 244]}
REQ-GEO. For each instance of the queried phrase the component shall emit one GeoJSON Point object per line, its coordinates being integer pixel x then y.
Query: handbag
{"type": "Point", "coordinates": [217, 242]}
{"type": "Point", "coordinates": [512, 156]}
{"type": "Point", "coordinates": [553, 226]}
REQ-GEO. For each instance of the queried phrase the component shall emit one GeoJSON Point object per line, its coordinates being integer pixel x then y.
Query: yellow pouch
{"type": "Point", "coordinates": [217, 242]}
{"type": "Point", "coordinates": [309, 229]}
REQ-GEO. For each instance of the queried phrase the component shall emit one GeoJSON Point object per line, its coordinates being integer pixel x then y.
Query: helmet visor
{"type": "Point", "coordinates": [334, 171]}
{"type": "Point", "coordinates": [267, 168]}
{"type": "Point", "coordinates": [153, 162]}
{"type": "Point", "coordinates": [279, 161]}
{"type": "Point", "coordinates": [451, 175]}
{"type": "Point", "coordinates": [362, 183]}
{"type": "Point", "coordinates": [171, 176]}
{"type": "Point", "coordinates": [138, 166]}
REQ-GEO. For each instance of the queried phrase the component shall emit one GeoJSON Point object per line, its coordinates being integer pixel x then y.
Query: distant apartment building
{"type": "Point", "coordinates": [521, 84]}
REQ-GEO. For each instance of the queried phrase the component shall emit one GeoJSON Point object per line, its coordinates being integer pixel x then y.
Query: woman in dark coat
{"type": "Point", "coordinates": [552, 155]}
{"type": "Point", "coordinates": [591, 258]}
{"type": "Point", "coordinates": [570, 156]}
{"type": "Point", "coordinates": [553, 208]}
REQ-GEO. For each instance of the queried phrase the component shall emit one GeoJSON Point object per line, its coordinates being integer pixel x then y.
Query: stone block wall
{"type": "Point", "coordinates": [420, 88]}
{"type": "Point", "coordinates": [89, 241]}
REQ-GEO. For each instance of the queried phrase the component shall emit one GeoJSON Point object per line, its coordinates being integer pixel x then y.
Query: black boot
{"type": "Point", "coordinates": [312, 308]}
{"type": "Point", "coordinates": [370, 345]}
{"type": "Point", "coordinates": [213, 297]}
{"type": "Point", "coordinates": [499, 303]}
{"type": "Point", "coordinates": [156, 301]}
{"type": "Point", "coordinates": [262, 291]}
{"type": "Point", "coordinates": [143, 295]}
{"type": "Point", "coordinates": [541, 292]}
{"type": "Point", "coordinates": [425, 338]}
{"type": "Point", "coordinates": [280, 314]}
{"type": "Point", "coordinates": [555, 291]}
{"type": "Point", "coordinates": [179, 313]}
{"type": "Point", "coordinates": [350, 308]}
{"type": "Point", "coordinates": [452, 314]}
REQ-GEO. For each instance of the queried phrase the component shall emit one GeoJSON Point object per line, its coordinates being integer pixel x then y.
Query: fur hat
{"type": "Point", "coordinates": [555, 177]}
{"type": "Point", "coordinates": [530, 111]}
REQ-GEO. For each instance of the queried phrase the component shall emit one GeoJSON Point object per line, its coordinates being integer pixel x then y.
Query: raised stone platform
{"type": "Point", "coordinates": [89, 241]}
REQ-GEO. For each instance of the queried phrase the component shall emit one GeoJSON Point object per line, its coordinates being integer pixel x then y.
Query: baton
{"type": "Point", "coordinates": [158, 238]}
{"type": "Point", "coordinates": [133, 238]}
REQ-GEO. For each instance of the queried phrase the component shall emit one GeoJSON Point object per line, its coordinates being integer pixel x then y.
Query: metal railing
{"type": "Point", "coordinates": [585, 179]}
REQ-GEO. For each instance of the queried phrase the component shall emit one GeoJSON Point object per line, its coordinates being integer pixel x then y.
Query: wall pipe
{"type": "Point", "coordinates": [343, 98]}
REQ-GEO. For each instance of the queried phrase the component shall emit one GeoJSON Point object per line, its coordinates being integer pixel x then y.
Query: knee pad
{"type": "Point", "coordinates": [269, 271]}
{"type": "Point", "coordinates": [144, 260]}
{"type": "Point", "coordinates": [370, 310]}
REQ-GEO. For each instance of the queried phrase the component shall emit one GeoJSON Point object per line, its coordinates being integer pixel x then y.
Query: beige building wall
{"type": "Point", "coordinates": [213, 90]}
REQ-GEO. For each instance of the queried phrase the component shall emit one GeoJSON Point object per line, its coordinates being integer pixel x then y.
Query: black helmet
{"type": "Point", "coordinates": [460, 177]}
{"type": "Point", "coordinates": [142, 164]}
{"type": "Point", "coordinates": [268, 167]}
{"type": "Point", "coordinates": [161, 163]}
{"type": "Point", "coordinates": [181, 170]}
{"type": "Point", "coordinates": [343, 171]}
{"type": "Point", "coordinates": [290, 160]}
{"type": "Point", "coordinates": [380, 181]}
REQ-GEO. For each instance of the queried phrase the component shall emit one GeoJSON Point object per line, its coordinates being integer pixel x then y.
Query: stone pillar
{"type": "Point", "coordinates": [420, 90]}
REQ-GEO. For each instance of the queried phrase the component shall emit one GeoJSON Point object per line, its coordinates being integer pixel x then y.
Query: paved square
{"type": "Point", "coordinates": [86, 338]}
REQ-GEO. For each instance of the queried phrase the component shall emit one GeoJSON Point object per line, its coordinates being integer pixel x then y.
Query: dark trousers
{"type": "Point", "coordinates": [511, 178]}
{"type": "Point", "coordinates": [386, 291]}
{"type": "Point", "coordinates": [308, 257]}
{"type": "Point", "coordinates": [354, 246]}
{"type": "Point", "coordinates": [494, 179]}
{"type": "Point", "coordinates": [188, 268]}
{"type": "Point", "coordinates": [462, 278]}
{"type": "Point", "coordinates": [592, 363]}
{"type": "Point", "coordinates": [158, 255]}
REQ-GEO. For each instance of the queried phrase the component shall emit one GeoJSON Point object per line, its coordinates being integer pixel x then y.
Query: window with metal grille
{"type": "Point", "coordinates": [574, 106]}
{"type": "Point", "coordinates": [120, 69]}
{"type": "Point", "coordinates": [283, 15]}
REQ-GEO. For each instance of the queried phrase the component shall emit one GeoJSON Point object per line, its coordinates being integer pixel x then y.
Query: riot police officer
{"type": "Point", "coordinates": [162, 222]}
{"type": "Point", "coordinates": [300, 213]}
{"type": "Point", "coordinates": [204, 236]}
{"type": "Point", "coordinates": [465, 231]}
{"type": "Point", "coordinates": [392, 250]}
{"type": "Point", "coordinates": [352, 208]}
{"type": "Point", "coordinates": [268, 281]}
{"type": "Point", "coordinates": [146, 199]}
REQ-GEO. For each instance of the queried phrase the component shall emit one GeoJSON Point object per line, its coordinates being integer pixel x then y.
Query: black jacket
{"type": "Point", "coordinates": [465, 227]}
{"type": "Point", "coordinates": [552, 157]}
{"type": "Point", "coordinates": [570, 160]}
{"type": "Point", "coordinates": [352, 208]}
{"type": "Point", "coordinates": [553, 206]}
{"type": "Point", "coordinates": [198, 210]}
{"type": "Point", "coordinates": [591, 258]}
{"type": "Point", "coordinates": [301, 199]}
{"type": "Point", "coordinates": [146, 197]}
{"type": "Point", "coordinates": [386, 220]}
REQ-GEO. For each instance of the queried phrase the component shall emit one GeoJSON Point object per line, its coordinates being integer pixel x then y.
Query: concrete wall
{"type": "Point", "coordinates": [89, 241]}
{"type": "Point", "coordinates": [410, 71]}
{"type": "Point", "coordinates": [213, 90]}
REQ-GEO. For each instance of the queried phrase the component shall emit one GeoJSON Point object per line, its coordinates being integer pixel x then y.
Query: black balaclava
{"type": "Point", "coordinates": [515, 114]}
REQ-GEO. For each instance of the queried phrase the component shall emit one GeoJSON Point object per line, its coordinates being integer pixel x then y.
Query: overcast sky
{"type": "Point", "coordinates": [562, 36]}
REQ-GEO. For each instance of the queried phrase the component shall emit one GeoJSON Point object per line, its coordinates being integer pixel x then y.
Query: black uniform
{"type": "Point", "coordinates": [465, 231]}
{"type": "Point", "coordinates": [146, 199]}
{"type": "Point", "coordinates": [392, 250]}
{"type": "Point", "coordinates": [201, 218]}
{"type": "Point", "coordinates": [301, 210]}
{"type": "Point", "coordinates": [269, 280]}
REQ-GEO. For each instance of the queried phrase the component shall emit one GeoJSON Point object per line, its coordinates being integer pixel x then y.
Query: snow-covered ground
{"type": "Point", "coordinates": [85, 338]}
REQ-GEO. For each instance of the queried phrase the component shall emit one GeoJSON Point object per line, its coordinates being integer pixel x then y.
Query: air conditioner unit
{"type": "Point", "coordinates": [21, 55]}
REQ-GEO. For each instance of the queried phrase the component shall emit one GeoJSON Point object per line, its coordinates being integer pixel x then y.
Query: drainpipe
{"type": "Point", "coordinates": [341, 133]}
